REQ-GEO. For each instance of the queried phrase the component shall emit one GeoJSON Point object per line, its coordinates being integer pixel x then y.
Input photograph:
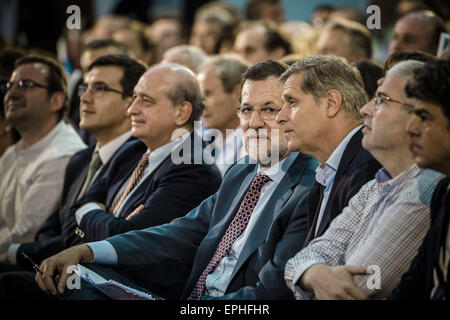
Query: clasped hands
{"type": "Point", "coordinates": [333, 283]}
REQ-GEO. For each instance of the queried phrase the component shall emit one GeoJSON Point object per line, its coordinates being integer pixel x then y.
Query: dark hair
{"type": "Point", "coordinates": [360, 36]}
{"type": "Point", "coordinates": [56, 80]}
{"type": "Point", "coordinates": [253, 9]}
{"type": "Point", "coordinates": [274, 38]}
{"type": "Point", "coordinates": [8, 57]}
{"type": "Point", "coordinates": [399, 56]}
{"type": "Point", "coordinates": [104, 43]}
{"type": "Point", "coordinates": [132, 70]}
{"type": "Point", "coordinates": [431, 83]}
{"type": "Point", "coordinates": [370, 73]}
{"type": "Point", "coordinates": [263, 70]}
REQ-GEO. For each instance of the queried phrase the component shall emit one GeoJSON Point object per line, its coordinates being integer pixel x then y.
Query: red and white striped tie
{"type": "Point", "coordinates": [234, 230]}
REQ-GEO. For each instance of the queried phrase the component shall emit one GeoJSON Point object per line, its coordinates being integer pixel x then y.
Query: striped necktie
{"type": "Point", "coordinates": [95, 164]}
{"type": "Point", "coordinates": [136, 176]}
{"type": "Point", "coordinates": [234, 230]}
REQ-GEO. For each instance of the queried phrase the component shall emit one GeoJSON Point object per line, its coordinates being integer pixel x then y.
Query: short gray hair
{"type": "Point", "coordinates": [405, 68]}
{"type": "Point", "coordinates": [186, 55]}
{"type": "Point", "coordinates": [324, 73]}
{"type": "Point", "coordinates": [184, 88]}
{"type": "Point", "coordinates": [229, 67]}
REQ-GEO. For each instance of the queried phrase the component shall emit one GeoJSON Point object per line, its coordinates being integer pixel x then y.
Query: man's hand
{"type": "Point", "coordinates": [333, 283]}
{"type": "Point", "coordinates": [60, 262]}
{"type": "Point", "coordinates": [135, 212]}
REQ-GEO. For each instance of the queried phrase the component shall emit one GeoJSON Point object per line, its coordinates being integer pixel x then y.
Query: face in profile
{"type": "Point", "coordinates": [429, 129]}
{"type": "Point", "coordinates": [31, 101]}
{"type": "Point", "coordinates": [385, 119]}
{"type": "Point", "coordinates": [303, 117]}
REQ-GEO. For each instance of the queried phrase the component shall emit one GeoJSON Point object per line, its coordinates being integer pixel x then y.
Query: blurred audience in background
{"type": "Point", "coordinates": [218, 41]}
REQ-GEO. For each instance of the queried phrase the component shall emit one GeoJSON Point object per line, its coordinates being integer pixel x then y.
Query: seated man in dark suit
{"type": "Point", "coordinates": [105, 97]}
{"type": "Point", "coordinates": [235, 244]}
{"type": "Point", "coordinates": [430, 133]}
{"type": "Point", "coordinates": [144, 186]}
{"type": "Point", "coordinates": [330, 132]}
{"type": "Point", "coordinates": [368, 247]}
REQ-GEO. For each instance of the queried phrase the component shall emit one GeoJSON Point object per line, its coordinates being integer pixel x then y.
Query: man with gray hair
{"type": "Point", "coordinates": [365, 251]}
{"type": "Point", "coordinates": [189, 56]}
{"type": "Point", "coordinates": [220, 80]}
{"type": "Point", "coordinates": [322, 97]}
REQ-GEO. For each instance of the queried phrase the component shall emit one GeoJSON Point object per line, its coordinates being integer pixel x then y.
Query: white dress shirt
{"type": "Point", "coordinates": [31, 183]}
{"type": "Point", "coordinates": [105, 152]}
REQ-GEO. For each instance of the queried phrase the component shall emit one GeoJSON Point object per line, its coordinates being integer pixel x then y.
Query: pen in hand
{"type": "Point", "coordinates": [35, 266]}
{"type": "Point", "coordinates": [37, 269]}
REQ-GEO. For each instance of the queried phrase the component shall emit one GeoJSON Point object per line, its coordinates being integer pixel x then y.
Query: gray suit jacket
{"type": "Point", "coordinates": [169, 259]}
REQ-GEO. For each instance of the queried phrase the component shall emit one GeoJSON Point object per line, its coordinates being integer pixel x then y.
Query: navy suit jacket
{"type": "Point", "coordinates": [170, 191]}
{"type": "Point", "coordinates": [418, 282]}
{"type": "Point", "coordinates": [169, 259]}
{"type": "Point", "coordinates": [49, 239]}
{"type": "Point", "coordinates": [356, 168]}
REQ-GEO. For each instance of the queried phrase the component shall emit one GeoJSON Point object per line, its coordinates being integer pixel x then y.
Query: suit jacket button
{"type": "Point", "coordinates": [79, 233]}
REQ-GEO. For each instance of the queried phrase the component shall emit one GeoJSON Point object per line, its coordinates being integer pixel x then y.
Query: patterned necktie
{"type": "Point", "coordinates": [234, 230]}
{"type": "Point", "coordinates": [134, 180]}
{"type": "Point", "coordinates": [94, 165]}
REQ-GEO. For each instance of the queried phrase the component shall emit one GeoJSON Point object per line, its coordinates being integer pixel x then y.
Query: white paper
{"type": "Point", "coordinates": [111, 288]}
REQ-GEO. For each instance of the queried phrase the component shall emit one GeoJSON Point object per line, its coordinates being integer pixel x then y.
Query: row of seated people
{"type": "Point", "coordinates": [331, 184]}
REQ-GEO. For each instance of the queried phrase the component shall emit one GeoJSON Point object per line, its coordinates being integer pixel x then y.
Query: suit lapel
{"type": "Point", "coordinates": [223, 225]}
{"type": "Point", "coordinates": [350, 152]}
{"type": "Point", "coordinates": [125, 171]}
{"type": "Point", "coordinates": [270, 212]}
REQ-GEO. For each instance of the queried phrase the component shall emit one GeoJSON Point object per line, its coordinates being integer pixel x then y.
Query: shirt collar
{"type": "Point", "coordinates": [383, 177]}
{"type": "Point", "coordinates": [335, 158]}
{"type": "Point", "coordinates": [325, 173]}
{"type": "Point", "coordinates": [41, 144]}
{"type": "Point", "coordinates": [277, 171]}
{"type": "Point", "coordinates": [163, 151]}
{"type": "Point", "coordinates": [107, 151]}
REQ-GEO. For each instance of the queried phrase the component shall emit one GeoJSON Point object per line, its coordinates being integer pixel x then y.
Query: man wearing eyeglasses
{"type": "Point", "coordinates": [235, 244]}
{"type": "Point", "coordinates": [368, 247]}
{"type": "Point", "coordinates": [105, 97]}
{"type": "Point", "coordinates": [33, 169]}
{"type": "Point", "coordinates": [429, 128]}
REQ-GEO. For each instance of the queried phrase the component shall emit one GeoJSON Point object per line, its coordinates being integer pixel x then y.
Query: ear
{"type": "Point", "coordinates": [57, 101]}
{"type": "Point", "coordinates": [333, 103]}
{"type": "Point", "coordinates": [182, 113]}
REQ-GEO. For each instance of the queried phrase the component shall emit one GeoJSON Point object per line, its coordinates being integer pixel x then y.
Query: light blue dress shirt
{"type": "Point", "coordinates": [218, 280]}
{"type": "Point", "coordinates": [325, 173]}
